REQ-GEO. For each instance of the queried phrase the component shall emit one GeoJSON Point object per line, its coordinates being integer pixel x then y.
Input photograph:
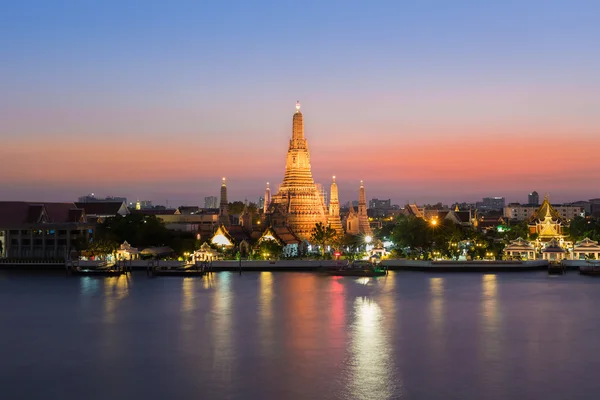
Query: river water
{"type": "Point", "coordinates": [300, 336]}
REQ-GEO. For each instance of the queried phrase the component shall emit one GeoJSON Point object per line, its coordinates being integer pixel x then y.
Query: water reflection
{"type": "Point", "coordinates": [490, 347]}
{"type": "Point", "coordinates": [208, 280]}
{"type": "Point", "coordinates": [436, 305]}
{"type": "Point", "coordinates": [116, 288]}
{"type": "Point", "coordinates": [88, 285]}
{"type": "Point", "coordinates": [188, 303]}
{"type": "Point", "coordinates": [337, 316]}
{"type": "Point", "coordinates": [265, 311]}
{"type": "Point", "coordinates": [221, 333]}
{"type": "Point", "coordinates": [371, 362]}
{"type": "Point", "coordinates": [187, 300]}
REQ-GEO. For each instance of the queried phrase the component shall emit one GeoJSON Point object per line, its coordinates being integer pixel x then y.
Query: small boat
{"type": "Point", "coordinates": [591, 269]}
{"type": "Point", "coordinates": [177, 271]}
{"type": "Point", "coordinates": [556, 269]}
{"type": "Point", "coordinates": [358, 268]}
{"type": "Point", "coordinates": [102, 271]}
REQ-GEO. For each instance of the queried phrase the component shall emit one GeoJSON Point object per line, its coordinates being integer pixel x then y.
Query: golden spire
{"type": "Point", "coordinates": [298, 124]}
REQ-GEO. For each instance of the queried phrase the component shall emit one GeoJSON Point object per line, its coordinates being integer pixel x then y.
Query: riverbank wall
{"type": "Point", "coordinates": [314, 265]}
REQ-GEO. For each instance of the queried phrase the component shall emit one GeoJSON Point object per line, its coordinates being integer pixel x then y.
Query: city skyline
{"type": "Point", "coordinates": [425, 103]}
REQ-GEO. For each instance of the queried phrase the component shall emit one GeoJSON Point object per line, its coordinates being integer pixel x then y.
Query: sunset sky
{"type": "Point", "coordinates": [425, 101]}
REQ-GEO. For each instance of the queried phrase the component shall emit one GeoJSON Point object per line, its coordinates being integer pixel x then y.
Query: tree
{"type": "Point", "coordinates": [101, 247]}
{"type": "Point", "coordinates": [268, 249]}
{"type": "Point", "coordinates": [323, 235]}
{"type": "Point", "coordinates": [411, 232]}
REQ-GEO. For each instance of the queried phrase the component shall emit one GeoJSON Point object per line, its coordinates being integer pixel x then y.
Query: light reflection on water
{"type": "Point", "coordinates": [222, 329]}
{"type": "Point", "coordinates": [116, 288]}
{"type": "Point", "coordinates": [436, 305]}
{"type": "Point", "coordinates": [265, 312]}
{"type": "Point", "coordinates": [371, 363]}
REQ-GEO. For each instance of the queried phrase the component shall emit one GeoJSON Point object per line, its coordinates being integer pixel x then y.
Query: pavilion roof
{"type": "Point", "coordinates": [586, 244]}
{"type": "Point", "coordinates": [553, 247]}
{"type": "Point", "coordinates": [520, 244]}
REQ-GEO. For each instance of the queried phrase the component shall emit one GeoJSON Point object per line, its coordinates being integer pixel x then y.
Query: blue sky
{"type": "Point", "coordinates": [208, 89]}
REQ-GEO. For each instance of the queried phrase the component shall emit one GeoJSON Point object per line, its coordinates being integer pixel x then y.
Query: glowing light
{"type": "Point", "coordinates": [298, 106]}
{"type": "Point", "coordinates": [368, 239]}
{"type": "Point", "coordinates": [434, 222]}
{"type": "Point", "coordinates": [221, 240]}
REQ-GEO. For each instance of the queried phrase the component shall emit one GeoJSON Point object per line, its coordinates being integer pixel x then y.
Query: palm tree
{"type": "Point", "coordinates": [323, 235]}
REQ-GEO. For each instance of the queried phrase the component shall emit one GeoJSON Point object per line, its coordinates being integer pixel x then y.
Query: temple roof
{"type": "Point", "coordinates": [413, 209]}
{"type": "Point", "coordinates": [553, 247]}
{"type": "Point", "coordinates": [282, 235]}
{"type": "Point", "coordinates": [520, 244]}
{"type": "Point", "coordinates": [546, 210]}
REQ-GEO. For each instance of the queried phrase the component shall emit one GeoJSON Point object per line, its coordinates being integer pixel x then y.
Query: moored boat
{"type": "Point", "coordinates": [358, 268]}
{"type": "Point", "coordinates": [591, 269]}
{"type": "Point", "coordinates": [102, 271]}
{"type": "Point", "coordinates": [177, 271]}
{"type": "Point", "coordinates": [556, 269]}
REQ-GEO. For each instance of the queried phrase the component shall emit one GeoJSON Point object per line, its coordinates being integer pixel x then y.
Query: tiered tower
{"type": "Point", "coordinates": [333, 218]}
{"type": "Point", "coordinates": [363, 218]}
{"type": "Point", "coordinates": [267, 198]}
{"type": "Point", "coordinates": [298, 200]}
{"type": "Point", "coordinates": [224, 205]}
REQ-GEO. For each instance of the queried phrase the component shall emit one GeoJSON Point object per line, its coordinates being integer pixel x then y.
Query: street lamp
{"type": "Point", "coordinates": [368, 239]}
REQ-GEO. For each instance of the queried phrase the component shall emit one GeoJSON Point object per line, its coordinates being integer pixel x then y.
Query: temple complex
{"type": "Point", "coordinates": [297, 204]}
{"type": "Point", "coordinates": [333, 218]}
{"type": "Point", "coordinates": [547, 223]}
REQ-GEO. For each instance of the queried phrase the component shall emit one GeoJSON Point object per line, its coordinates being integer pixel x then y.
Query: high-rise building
{"type": "Point", "coordinates": [384, 204]}
{"type": "Point", "coordinates": [211, 202]}
{"type": "Point", "coordinates": [491, 203]}
{"type": "Point", "coordinates": [298, 204]}
{"type": "Point", "coordinates": [533, 198]}
{"type": "Point", "coordinates": [91, 198]}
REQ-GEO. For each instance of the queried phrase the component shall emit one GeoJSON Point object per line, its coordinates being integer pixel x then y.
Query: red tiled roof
{"type": "Point", "coordinates": [15, 213]}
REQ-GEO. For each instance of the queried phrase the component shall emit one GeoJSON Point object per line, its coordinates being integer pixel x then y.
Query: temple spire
{"type": "Point", "coordinates": [363, 219]}
{"type": "Point", "coordinates": [224, 205]}
{"type": "Point", "coordinates": [333, 219]}
{"type": "Point", "coordinates": [267, 198]}
{"type": "Point", "coordinates": [297, 124]}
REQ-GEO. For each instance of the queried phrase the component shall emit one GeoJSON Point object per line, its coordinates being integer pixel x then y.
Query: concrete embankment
{"type": "Point", "coordinates": [465, 266]}
{"type": "Point", "coordinates": [316, 265]}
